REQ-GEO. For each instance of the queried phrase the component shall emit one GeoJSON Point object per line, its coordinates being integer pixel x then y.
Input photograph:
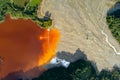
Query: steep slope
{"type": "Point", "coordinates": [81, 23]}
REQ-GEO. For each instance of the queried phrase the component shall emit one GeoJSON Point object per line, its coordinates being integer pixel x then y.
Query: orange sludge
{"type": "Point", "coordinates": [50, 40]}
{"type": "Point", "coordinates": [23, 45]}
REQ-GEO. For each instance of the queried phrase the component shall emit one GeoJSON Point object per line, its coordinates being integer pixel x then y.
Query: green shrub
{"type": "Point", "coordinates": [79, 70]}
{"type": "Point", "coordinates": [113, 21]}
{"type": "Point", "coordinates": [23, 9]}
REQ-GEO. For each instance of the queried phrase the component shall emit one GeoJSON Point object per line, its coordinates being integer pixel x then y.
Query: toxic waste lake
{"type": "Point", "coordinates": [24, 45]}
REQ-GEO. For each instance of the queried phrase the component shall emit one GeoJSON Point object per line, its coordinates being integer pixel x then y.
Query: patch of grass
{"type": "Point", "coordinates": [34, 2]}
{"type": "Point", "coordinates": [20, 3]}
{"type": "Point", "coordinates": [113, 21]}
{"type": "Point", "coordinates": [3, 9]}
{"type": "Point", "coordinates": [23, 9]}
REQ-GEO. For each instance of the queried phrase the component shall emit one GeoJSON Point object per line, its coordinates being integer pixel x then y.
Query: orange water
{"type": "Point", "coordinates": [23, 45]}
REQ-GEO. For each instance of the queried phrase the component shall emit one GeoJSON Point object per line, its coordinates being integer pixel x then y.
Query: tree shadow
{"type": "Point", "coordinates": [114, 11]}
{"type": "Point", "coordinates": [78, 61]}
{"type": "Point", "coordinates": [46, 17]}
{"type": "Point", "coordinates": [72, 57]}
{"type": "Point", "coordinates": [15, 75]}
{"type": "Point", "coordinates": [113, 74]}
{"type": "Point", "coordinates": [21, 75]}
{"type": "Point", "coordinates": [80, 67]}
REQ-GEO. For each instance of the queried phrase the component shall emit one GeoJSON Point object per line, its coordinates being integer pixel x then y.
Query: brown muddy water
{"type": "Point", "coordinates": [24, 45]}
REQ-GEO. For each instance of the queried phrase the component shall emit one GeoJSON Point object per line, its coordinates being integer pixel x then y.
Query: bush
{"type": "Point", "coordinates": [113, 21]}
{"type": "Point", "coordinates": [79, 70]}
{"type": "Point", "coordinates": [23, 9]}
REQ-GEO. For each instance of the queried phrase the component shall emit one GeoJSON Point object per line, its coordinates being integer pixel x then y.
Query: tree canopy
{"type": "Point", "coordinates": [113, 21]}
{"type": "Point", "coordinates": [79, 70]}
{"type": "Point", "coordinates": [23, 9]}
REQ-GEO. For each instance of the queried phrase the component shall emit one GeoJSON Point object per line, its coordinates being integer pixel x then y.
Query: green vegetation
{"type": "Point", "coordinates": [46, 23]}
{"type": "Point", "coordinates": [113, 21]}
{"type": "Point", "coordinates": [34, 2]}
{"type": "Point", "coordinates": [20, 3]}
{"type": "Point", "coordinates": [3, 9]}
{"type": "Point", "coordinates": [79, 70]}
{"type": "Point", "coordinates": [23, 9]}
{"type": "Point", "coordinates": [114, 26]}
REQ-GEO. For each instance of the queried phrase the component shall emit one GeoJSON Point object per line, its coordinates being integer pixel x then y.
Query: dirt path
{"type": "Point", "coordinates": [106, 39]}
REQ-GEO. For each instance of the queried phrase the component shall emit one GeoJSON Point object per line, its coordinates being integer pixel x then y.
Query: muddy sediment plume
{"type": "Point", "coordinates": [49, 41]}
{"type": "Point", "coordinates": [21, 46]}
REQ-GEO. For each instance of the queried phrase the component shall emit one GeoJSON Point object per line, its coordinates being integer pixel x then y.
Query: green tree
{"type": "Point", "coordinates": [79, 70]}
